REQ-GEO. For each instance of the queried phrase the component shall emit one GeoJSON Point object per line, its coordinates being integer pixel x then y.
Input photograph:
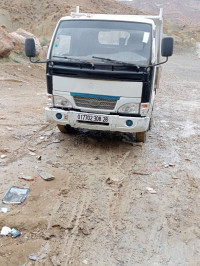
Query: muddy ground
{"type": "Point", "coordinates": [97, 210]}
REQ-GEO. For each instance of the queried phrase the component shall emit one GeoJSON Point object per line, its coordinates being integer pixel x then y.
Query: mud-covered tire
{"type": "Point", "coordinates": [66, 129]}
{"type": "Point", "coordinates": [141, 136]}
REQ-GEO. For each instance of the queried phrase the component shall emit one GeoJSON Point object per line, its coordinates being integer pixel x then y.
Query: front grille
{"type": "Point", "coordinates": [96, 103]}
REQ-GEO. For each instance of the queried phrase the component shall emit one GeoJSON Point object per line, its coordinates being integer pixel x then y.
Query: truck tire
{"type": "Point", "coordinates": [66, 129]}
{"type": "Point", "coordinates": [141, 136]}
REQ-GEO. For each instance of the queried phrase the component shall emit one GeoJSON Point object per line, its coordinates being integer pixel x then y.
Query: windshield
{"type": "Point", "coordinates": [92, 40]}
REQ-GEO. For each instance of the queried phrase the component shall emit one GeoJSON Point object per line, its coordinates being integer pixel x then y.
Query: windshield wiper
{"type": "Point", "coordinates": [115, 61]}
{"type": "Point", "coordinates": [71, 59]}
{"type": "Point", "coordinates": [64, 57]}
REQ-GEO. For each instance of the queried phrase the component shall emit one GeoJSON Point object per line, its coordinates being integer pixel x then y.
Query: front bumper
{"type": "Point", "coordinates": [116, 122]}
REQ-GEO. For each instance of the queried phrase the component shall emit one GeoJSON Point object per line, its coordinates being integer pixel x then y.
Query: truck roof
{"type": "Point", "coordinates": [128, 18]}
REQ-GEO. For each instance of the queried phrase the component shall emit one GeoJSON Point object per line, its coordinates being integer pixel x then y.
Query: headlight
{"type": "Point", "coordinates": [61, 102]}
{"type": "Point", "coordinates": [129, 108]}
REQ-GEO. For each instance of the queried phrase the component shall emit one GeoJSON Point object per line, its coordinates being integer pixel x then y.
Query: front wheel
{"type": "Point", "coordinates": [66, 129]}
{"type": "Point", "coordinates": [141, 136]}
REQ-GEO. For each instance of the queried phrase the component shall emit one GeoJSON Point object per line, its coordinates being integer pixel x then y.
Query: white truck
{"type": "Point", "coordinates": [103, 71]}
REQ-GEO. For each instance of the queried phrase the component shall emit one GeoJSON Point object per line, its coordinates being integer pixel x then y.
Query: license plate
{"type": "Point", "coordinates": [93, 118]}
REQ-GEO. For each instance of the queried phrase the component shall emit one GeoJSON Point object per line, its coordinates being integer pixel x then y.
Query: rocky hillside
{"type": "Point", "coordinates": [40, 17]}
{"type": "Point", "coordinates": [181, 18]}
{"type": "Point", "coordinates": [183, 12]}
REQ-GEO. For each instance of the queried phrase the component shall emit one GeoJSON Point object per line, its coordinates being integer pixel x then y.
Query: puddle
{"type": "Point", "coordinates": [188, 129]}
{"type": "Point", "coordinates": [190, 105]}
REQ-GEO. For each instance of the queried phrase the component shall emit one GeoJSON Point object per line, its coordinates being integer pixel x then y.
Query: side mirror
{"type": "Point", "coordinates": [30, 49]}
{"type": "Point", "coordinates": [167, 46]}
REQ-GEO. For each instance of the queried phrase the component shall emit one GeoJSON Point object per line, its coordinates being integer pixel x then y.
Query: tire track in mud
{"type": "Point", "coordinates": [68, 245]}
{"type": "Point", "coordinates": [86, 186]}
{"type": "Point", "coordinates": [22, 151]}
{"type": "Point", "coordinates": [66, 227]}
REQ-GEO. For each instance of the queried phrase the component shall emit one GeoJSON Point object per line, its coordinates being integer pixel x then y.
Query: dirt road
{"type": "Point", "coordinates": [97, 210]}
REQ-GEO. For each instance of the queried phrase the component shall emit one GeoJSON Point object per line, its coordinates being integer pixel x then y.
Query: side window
{"type": "Point", "coordinates": [116, 38]}
{"type": "Point", "coordinates": [62, 45]}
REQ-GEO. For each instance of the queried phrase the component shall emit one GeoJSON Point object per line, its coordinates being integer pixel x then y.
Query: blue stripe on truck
{"type": "Point", "coordinates": [86, 95]}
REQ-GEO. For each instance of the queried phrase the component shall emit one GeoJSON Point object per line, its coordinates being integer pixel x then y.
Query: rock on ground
{"type": "Point", "coordinates": [6, 43]}
{"type": "Point", "coordinates": [19, 38]}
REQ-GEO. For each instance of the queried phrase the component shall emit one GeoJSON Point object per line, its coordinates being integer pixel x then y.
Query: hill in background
{"type": "Point", "coordinates": [182, 12]}
{"type": "Point", "coordinates": [40, 17]}
{"type": "Point", "coordinates": [181, 18]}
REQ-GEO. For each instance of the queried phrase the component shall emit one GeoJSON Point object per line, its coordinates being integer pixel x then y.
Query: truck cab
{"type": "Point", "coordinates": [103, 71]}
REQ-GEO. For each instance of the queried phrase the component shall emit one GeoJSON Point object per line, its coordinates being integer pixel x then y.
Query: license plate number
{"type": "Point", "coordinates": [93, 118]}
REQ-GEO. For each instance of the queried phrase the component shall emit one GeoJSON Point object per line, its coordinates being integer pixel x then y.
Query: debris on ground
{"type": "Point", "coordinates": [46, 176]}
{"type": "Point", "coordinates": [56, 141]}
{"type": "Point", "coordinates": [175, 177]}
{"type": "Point", "coordinates": [85, 261]}
{"type": "Point", "coordinates": [150, 190]}
{"type": "Point", "coordinates": [33, 257]}
{"type": "Point", "coordinates": [140, 173]}
{"type": "Point", "coordinates": [15, 195]}
{"type": "Point", "coordinates": [116, 185]}
{"type": "Point", "coordinates": [5, 230]}
{"type": "Point", "coordinates": [27, 178]}
{"type": "Point", "coordinates": [109, 181]}
{"type": "Point", "coordinates": [47, 133]}
{"type": "Point", "coordinates": [187, 159]}
{"type": "Point", "coordinates": [15, 233]}
{"type": "Point", "coordinates": [3, 156]}
{"type": "Point", "coordinates": [32, 153]}
{"type": "Point", "coordinates": [4, 209]}
{"type": "Point", "coordinates": [169, 164]}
